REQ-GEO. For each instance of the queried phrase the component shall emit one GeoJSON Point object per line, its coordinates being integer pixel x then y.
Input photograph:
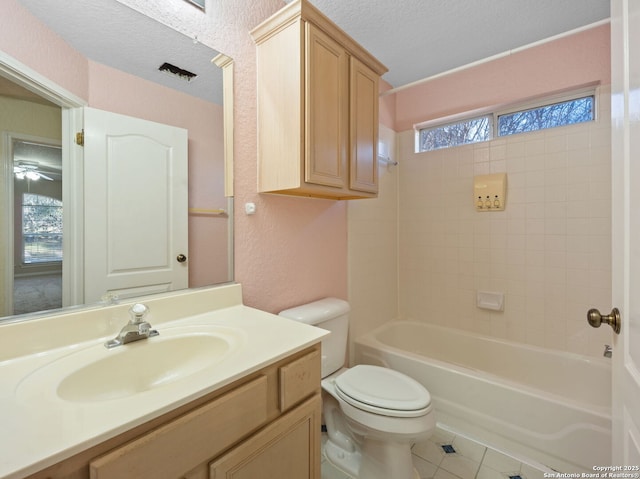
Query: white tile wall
{"type": "Point", "coordinates": [373, 249]}
{"type": "Point", "coordinates": [421, 251]}
{"type": "Point", "coordinates": [549, 251]}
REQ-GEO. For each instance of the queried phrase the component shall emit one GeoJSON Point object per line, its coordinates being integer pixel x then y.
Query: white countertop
{"type": "Point", "coordinates": [38, 428]}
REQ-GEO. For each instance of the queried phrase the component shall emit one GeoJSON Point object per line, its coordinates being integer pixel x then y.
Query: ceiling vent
{"type": "Point", "coordinates": [177, 71]}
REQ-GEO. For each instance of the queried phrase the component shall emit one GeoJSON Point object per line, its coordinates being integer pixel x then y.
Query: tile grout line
{"type": "Point", "coordinates": [484, 454]}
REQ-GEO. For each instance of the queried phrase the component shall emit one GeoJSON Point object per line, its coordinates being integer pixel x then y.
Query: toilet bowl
{"type": "Point", "coordinates": [373, 415]}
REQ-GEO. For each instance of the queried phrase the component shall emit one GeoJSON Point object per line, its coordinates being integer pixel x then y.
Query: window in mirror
{"type": "Point", "coordinates": [36, 230]}
{"type": "Point", "coordinates": [41, 229]}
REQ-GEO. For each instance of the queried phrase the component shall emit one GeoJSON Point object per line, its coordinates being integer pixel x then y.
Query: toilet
{"type": "Point", "coordinates": [373, 415]}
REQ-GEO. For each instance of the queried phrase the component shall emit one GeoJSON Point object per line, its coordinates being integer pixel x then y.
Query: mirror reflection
{"type": "Point", "coordinates": [37, 225]}
{"type": "Point", "coordinates": [40, 240]}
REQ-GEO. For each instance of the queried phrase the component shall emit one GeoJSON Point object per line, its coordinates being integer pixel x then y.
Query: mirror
{"type": "Point", "coordinates": [119, 70]}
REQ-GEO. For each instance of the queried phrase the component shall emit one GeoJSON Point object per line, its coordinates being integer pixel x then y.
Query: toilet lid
{"type": "Point", "coordinates": [382, 391]}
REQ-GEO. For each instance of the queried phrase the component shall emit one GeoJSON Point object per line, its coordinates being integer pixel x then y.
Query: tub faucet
{"type": "Point", "coordinates": [608, 351]}
{"type": "Point", "coordinates": [137, 328]}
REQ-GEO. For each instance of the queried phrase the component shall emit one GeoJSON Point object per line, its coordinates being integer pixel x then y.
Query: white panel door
{"type": "Point", "coordinates": [135, 206]}
{"type": "Point", "coordinates": [625, 108]}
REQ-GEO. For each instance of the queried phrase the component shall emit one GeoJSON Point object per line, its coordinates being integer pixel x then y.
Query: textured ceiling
{"type": "Point", "coordinates": [416, 39]}
{"type": "Point", "coordinates": [111, 33]}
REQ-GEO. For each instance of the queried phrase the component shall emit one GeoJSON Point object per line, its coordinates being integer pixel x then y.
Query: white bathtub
{"type": "Point", "coordinates": [552, 407]}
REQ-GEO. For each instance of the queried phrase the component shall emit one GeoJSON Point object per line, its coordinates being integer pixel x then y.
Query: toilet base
{"type": "Point", "coordinates": [351, 462]}
{"type": "Point", "coordinates": [347, 462]}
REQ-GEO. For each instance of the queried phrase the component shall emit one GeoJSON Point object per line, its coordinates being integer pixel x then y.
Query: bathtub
{"type": "Point", "coordinates": [548, 406]}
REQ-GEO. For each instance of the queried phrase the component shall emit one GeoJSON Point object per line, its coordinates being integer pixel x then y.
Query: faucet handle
{"type": "Point", "coordinates": [138, 311]}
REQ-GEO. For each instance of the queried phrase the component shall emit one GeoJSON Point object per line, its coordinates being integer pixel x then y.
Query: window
{"type": "Point", "coordinates": [573, 109]}
{"type": "Point", "coordinates": [41, 229]}
{"type": "Point", "coordinates": [548, 116]}
{"type": "Point", "coordinates": [454, 134]}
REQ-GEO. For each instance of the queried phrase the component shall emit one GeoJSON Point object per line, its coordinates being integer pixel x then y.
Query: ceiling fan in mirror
{"type": "Point", "coordinates": [29, 170]}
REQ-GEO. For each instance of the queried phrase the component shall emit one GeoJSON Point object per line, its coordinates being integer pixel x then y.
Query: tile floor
{"type": "Point", "coordinates": [470, 460]}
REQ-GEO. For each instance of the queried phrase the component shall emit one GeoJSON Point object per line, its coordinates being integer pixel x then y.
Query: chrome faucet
{"type": "Point", "coordinates": [137, 328]}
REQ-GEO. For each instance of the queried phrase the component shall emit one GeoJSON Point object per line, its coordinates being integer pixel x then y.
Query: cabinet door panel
{"type": "Point", "coordinates": [326, 88]}
{"type": "Point", "coordinates": [364, 128]}
{"type": "Point", "coordinates": [287, 448]}
{"type": "Point", "coordinates": [174, 448]}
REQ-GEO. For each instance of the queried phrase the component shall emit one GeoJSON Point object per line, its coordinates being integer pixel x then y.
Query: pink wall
{"type": "Point", "coordinates": [112, 90]}
{"type": "Point", "coordinates": [26, 39]}
{"type": "Point", "coordinates": [293, 249]}
{"type": "Point", "coordinates": [569, 62]}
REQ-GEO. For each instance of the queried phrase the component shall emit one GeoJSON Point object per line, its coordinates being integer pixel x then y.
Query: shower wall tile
{"type": "Point", "coordinates": [373, 248]}
{"type": "Point", "coordinates": [549, 251]}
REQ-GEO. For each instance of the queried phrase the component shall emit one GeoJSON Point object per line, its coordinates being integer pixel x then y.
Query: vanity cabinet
{"type": "Point", "coordinates": [268, 421]}
{"type": "Point", "coordinates": [317, 108]}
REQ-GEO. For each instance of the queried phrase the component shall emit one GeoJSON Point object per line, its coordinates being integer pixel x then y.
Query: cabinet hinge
{"type": "Point", "coordinates": [80, 138]}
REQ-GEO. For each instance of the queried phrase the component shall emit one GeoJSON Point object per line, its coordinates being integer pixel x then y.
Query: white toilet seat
{"type": "Point", "coordinates": [382, 391]}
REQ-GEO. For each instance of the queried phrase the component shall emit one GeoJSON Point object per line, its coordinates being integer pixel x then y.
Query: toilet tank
{"type": "Point", "coordinates": [331, 314]}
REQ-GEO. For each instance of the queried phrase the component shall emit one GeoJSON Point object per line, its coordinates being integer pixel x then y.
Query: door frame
{"type": "Point", "coordinates": [625, 31]}
{"type": "Point", "coordinates": [72, 161]}
{"type": "Point", "coordinates": [6, 158]}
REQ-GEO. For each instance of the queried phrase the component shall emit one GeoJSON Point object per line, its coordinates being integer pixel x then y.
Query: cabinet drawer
{"type": "Point", "coordinates": [299, 379]}
{"type": "Point", "coordinates": [174, 448]}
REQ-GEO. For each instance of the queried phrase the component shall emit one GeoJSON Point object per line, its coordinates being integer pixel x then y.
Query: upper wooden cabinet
{"type": "Point", "coordinates": [317, 108]}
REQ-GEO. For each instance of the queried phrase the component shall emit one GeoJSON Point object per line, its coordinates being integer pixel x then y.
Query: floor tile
{"type": "Point", "coordinates": [442, 474]}
{"type": "Point", "coordinates": [488, 473]}
{"type": "Point", "coordinates": [470, 449]}
{"type": "Point", "coordinates": [500, 462]}
{"type": "Point", "coordinates": [330, 472]}
{"type": "Point", "coordinates": [471, 460]}
{"type": "Point", "coordinates": [429, 451]}
{"type": "Point", "coordinates": [425, 469]}
{"type": "Point", "coordinates": [461, 466]}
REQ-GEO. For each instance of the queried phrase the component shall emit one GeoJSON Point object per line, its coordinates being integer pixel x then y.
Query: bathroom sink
{"type": "Point", "coordinates": [100, 374]}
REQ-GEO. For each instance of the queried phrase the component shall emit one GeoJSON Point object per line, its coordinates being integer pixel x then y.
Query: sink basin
{"type": "Point", "coordinates": [100, 374]}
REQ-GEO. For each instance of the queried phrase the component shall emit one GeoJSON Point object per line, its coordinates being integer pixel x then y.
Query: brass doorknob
{"type": "Point", "coordinates": [181, 258]}
{"type": "Point", "coordinates": [596, 319]}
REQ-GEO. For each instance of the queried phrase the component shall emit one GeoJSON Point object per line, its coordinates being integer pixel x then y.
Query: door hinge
{"type": "Point", "coordinates": [80, 138]}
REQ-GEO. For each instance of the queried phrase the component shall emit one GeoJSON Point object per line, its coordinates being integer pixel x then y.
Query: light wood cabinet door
{"type": "Point", "coordinates": [363, 160]}
{"type": "Point", "coordinates": [317, 95]}
{"type": "Point", "coordinates": [287, 448]}
{"type": "Point", "coordinates": [194, 438]}
{"type": "Point", "coordinates": [326, 110]}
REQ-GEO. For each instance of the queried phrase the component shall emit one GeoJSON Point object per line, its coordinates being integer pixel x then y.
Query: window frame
{"type": "Point", "coordinates": [495, 113]}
